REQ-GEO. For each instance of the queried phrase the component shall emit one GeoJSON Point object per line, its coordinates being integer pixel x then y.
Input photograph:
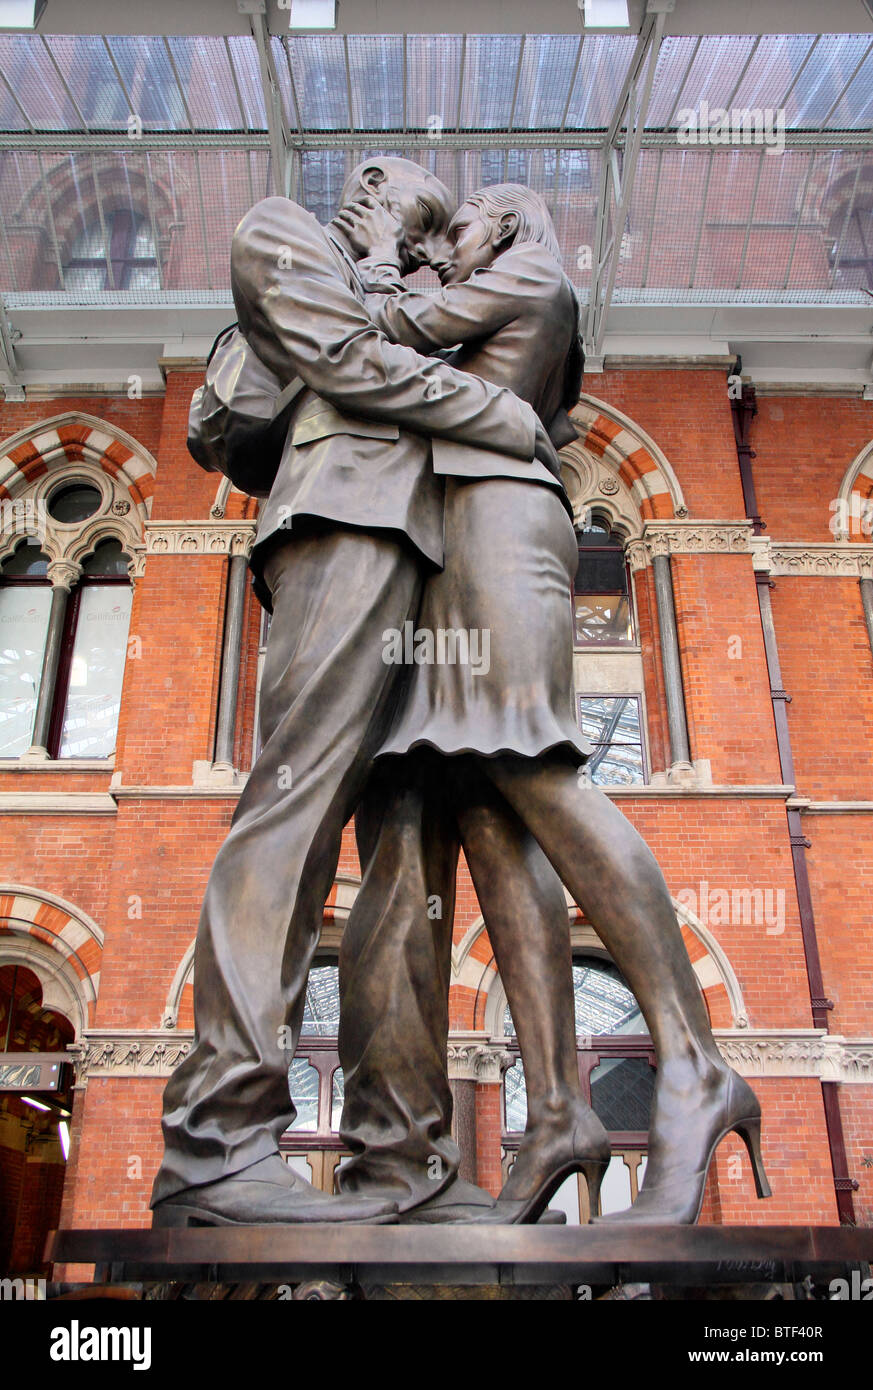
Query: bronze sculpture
{"type": "Point", "coordinates": [504, 754]}
{"type": "Point", "coordinates": [354, 494]}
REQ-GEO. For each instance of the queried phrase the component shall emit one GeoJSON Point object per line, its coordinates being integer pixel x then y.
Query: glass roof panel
{"type": "Point", "coordinates": [90, 75]}
{"type": "Point", "coordinates": [855, 108]}
{"type": "Point", "coordinates": [244, 60]}
{"type": "Point", "coordinates": [148, 76]}
{"type": "Point", "coordinates": [602, 67]}
{"type": "Point", "coordinates": [488, 86]}
{"type": "Point", "coordinates": [433, 68]}
{"type": "Point", "coordinates": [831, 65]}
{"type": "Point", "coordinates": [318, 66]}
{"type": "Point", "coordinates": [207, 82]}
{"type": "Point", "coordinates": [547, 70]}
{"type": "Point", "coordinates": [775, 64]}
{"type": "Point", "coordinates": [712, 70]}
{"type": "Point", "coordinates": [27, 67]}
{"type": "Point", "coordinates": [376, 69]}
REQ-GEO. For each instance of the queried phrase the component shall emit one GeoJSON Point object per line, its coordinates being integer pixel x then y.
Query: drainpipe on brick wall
{"type": "Point", "coordinates": [744, 410]}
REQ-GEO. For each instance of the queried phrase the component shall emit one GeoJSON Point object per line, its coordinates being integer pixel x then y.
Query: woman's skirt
{"type": "Point", "coordinates": [491, 652]}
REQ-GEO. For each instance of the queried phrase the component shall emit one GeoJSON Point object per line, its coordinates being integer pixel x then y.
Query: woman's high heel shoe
{"type": "Point", "coordinates": [548, 1155]}
{"type": "Point", "coordinates": [677, 1197]}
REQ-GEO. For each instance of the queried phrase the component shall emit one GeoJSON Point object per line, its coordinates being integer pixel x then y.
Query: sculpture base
{"type": "Point", "coordinates": [494, 1257]}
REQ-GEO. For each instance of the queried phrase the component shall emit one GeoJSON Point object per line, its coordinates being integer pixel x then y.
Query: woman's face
{"type": "Point", "coordinates": [469, 246]}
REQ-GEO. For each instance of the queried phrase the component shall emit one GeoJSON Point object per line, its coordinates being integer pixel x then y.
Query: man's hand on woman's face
{"type": "Point", "coordinates": [371, 230]}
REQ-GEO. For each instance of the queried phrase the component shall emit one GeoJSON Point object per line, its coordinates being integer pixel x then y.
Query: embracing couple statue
{"type": "Point", "coordinates": [418, 482]}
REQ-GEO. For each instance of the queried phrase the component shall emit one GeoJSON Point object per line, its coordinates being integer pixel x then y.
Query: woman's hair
{"type": "Point", "coordinates": [534, 222]}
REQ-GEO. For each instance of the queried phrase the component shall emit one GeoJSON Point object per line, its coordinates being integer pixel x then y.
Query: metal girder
{"type": "Point", "coordinates": [415, 140]}
{"type": "Point", "coordinates": [280, 135]}
{"type": "Point", "coordinates": [618, 188]}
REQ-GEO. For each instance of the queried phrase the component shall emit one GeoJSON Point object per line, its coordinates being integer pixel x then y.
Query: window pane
{"type": "Point", "coordinates": [321, 1010]}
{"type": "Point", "coordinates": [96, 672]}
{"type": "Point", "coordinates": [621, 1092]}
{"type": "Point", "coordinates": [337, 1096]}
{"type": "Point", "coordinates": [515, 1094]}
{"type": "Point", "coordinates": [24, 615]}
{"type": "Point", "coordinates": [303, 1085]}
{"type": "Point", "coordinates": [602, 618]}
{"type": "Point", "coordinates": [603, 1003]}
{"type": "Point", "coordinates": [612, 725]}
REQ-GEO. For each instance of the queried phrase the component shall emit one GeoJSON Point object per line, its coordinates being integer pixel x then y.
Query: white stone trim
{"type": "Point", "coordinates": [128, 1052]}
{"type": "Point", "coordinates": [57, 804]}
{"type": "Point", "coordinates": [216, 537]}
{"type": "Point", "coordinates": [814, 560]}
{"type": "Point", "coordinates": [798, 1052]}
{"type": "Point", "coordinates": [688, 537]}
{"type": "Point", "coordinates": [474, 1056]}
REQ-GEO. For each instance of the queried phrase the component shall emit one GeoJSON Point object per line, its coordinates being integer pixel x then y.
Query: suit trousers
{"type": "Point", "coordinates": [326, 699]}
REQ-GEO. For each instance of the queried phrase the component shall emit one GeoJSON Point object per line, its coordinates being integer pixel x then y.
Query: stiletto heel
{"type": "Point", "coordinates": [673, 1188]}
{"type": "Point", "coordinates": [750, 1132]}
{"type": "Point", "coordinates": [548, 1156]}
{"type": "Point", "coordinates": [594, 1173]}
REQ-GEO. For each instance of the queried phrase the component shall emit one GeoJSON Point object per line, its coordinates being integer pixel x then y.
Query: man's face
{"type": "Point", "coordinates": [469, 245]}
{"type": "Point", "coordinates": [422, 213]}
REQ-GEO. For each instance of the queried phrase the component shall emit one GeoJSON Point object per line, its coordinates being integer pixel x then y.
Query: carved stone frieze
{"type": "Point", "coordinates": [126, 1053]}
{"type": "Point", "coordinates": [217, 537]}
{"type": "Point", "coordinates": [840, 561]}
{"type": "Point", "coordinates": [681, 537]}
{"type": "Point", "coordinates": [824, 1056]}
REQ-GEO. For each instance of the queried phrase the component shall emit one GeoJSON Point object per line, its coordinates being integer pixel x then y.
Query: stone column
{"type": "Point", "coordinates": [63, 574]}
{"type": "Point", "coordinates": [680, 751]}
{"type": "Point", "coordinates": [473, 1061]}
{"type": "Point", "coordinates": [230, 657]}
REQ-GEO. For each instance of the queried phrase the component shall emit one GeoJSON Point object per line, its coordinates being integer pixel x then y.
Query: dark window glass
{"type": "Point", "coordinates": [75, 502]}
{"type": "Point", "coordinates": [601, 599]}
{"type": "Point", "coordinates": [108, 560]}
{"type": "Point", "coordinates": [27, 562]}
{"type": "Point", "coordinates": [621, 1092]}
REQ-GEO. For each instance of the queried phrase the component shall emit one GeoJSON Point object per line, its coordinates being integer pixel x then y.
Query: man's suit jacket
{"type": "Point", "coordinates": [358, 450]}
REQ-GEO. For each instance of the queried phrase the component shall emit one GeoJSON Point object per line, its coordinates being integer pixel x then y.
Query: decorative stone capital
{"type": "Point", "coordinates": [685, 537]}
{"type": "Point", "coordinates": [63, 574]}
{"type": "Point", "coordinates": [474, 1057]}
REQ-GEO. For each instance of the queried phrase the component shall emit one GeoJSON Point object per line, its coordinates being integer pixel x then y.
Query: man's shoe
{"type": "Point", "coordinates": [252, 1198]}
{"type": "Point", "coordinates": [460, 1202]}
